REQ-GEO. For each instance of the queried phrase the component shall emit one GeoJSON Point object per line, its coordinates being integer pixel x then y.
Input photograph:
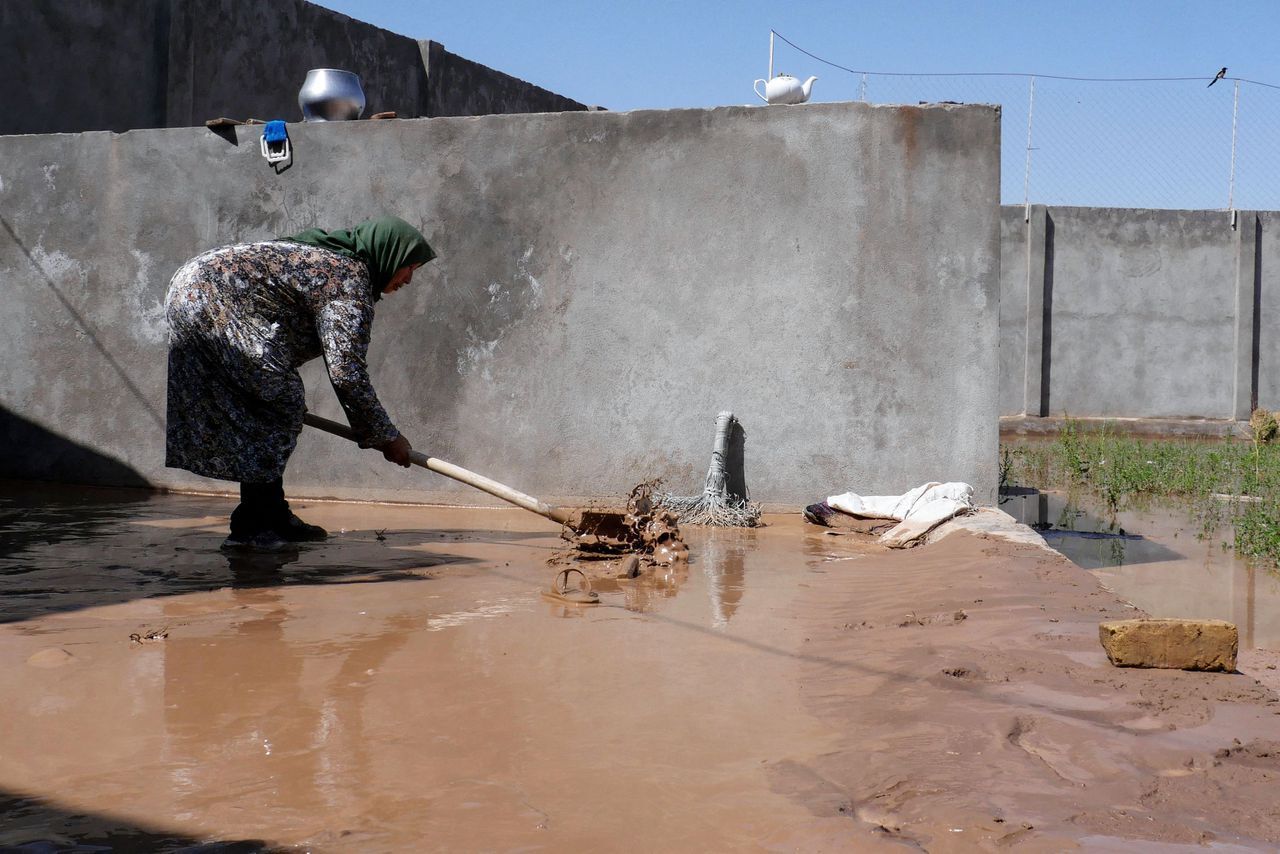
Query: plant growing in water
{"type": "Point", "coordinates": [1212, 479]}
{"type": "Point", "coordinates": [1263, 426]}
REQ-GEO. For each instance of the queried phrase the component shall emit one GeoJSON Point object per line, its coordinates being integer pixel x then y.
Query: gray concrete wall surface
{"type": "Point", "coordinates": [607, 283]}
{"type": "Point", "coordinates": [1266, 275]}
{"type": "Point", "coordinates": [82, 65]}
{"type": "Point", "coordinates": [1013, 308]}
{"type": "Point", "coordinates": [73, 65]}
{"type": "Point", "coordinates": [1137, 313]}
{"type": "Point", "coordinates": [249, 59]}
{"type": "Point", "coordinates": [457, 86]}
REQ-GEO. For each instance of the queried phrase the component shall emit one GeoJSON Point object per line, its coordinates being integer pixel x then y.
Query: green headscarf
{"type": "Point", "coordinates": [384, 244]}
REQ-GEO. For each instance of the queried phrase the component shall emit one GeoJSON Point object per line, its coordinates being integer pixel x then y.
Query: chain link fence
{"type": "Point", "coordinates": [1144, 143]}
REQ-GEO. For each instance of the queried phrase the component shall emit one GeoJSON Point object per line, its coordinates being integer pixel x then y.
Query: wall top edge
{"type": "Point", "coordinates": [572, 115]}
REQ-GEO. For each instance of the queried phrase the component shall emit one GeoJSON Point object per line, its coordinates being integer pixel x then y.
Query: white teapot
{"type": "Point", "coordinates": [785, 89]}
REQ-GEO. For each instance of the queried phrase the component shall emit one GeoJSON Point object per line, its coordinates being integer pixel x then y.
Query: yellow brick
{"type": "Point", "coordinates": [1178, 644]}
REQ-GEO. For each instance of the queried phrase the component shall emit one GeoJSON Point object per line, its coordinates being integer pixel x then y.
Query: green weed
{"type": "Point", "coordinates": [1257, 530]}
{"type": "Point", "coordinates": [1209, 478]}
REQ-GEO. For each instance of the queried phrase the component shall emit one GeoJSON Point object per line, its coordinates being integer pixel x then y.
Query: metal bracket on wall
{"type": "Point", "coordinates": [1235, 217]}
{"type": "Point", "coordinates": [275, 143]}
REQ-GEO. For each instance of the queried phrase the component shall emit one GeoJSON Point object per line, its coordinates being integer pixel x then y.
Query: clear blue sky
{"type": "Point", "coordinates": [664, 54]}
{"type": "Point", "coordinates": [697, 54]}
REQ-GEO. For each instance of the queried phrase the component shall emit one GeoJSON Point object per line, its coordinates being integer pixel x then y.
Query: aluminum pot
{"type": "Point", "coordinates": [331, 95]}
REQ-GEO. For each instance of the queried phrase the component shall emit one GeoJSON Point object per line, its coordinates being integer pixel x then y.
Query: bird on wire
{"type": "Point", "coordinates": [1219, 76]}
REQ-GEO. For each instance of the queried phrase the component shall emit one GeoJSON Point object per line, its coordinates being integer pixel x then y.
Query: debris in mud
{"type": "Point", "coordinates": [912, 619]}
{"type": "Point", "coordinates": [841, 524]}
{"type": "Point", "coordinates": [1262, 753]}
{"type": "Point", "coordinates": [642, 535]}
{"type": "Point", "coordinates": [607, 571]}
{"type": "Point", "coordinates": [150, 635]}
{"type": "Point", "coordinates": [576, 591]}
{"type": "Point", "coordinates": [630, 567]}
{"type": "Point", "coordinates": [641, 529]}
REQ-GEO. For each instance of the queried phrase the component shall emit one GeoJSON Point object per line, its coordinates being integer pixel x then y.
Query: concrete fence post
{"type": "Point", "coordinates": [1248, 294]}
{"type": "Point", "coordinates": [1035, 400]}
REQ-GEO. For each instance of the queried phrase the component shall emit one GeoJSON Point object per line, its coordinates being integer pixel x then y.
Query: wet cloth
{"type": "Point", "coordinates": [242, 319]}
{"type": "Point", "coordinates": [918, 512]}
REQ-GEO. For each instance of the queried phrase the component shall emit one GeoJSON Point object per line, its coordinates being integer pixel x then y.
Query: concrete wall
{"type": "Point", "coordinates": [456, 86]}
{"type": "Point", "coordinates": [1138, 313]}
{"type": "Point", "coordinates": [1013, 308]}
{"type": "Point", "coordinates": [79, 65]}
{"type": "Point", "coordinates": [607, 283]}
{"type": "Point", "coordinates": [92, 65]}
{"type": "Point", "coordinates": [1260, 262]}
{"type": "Point", "coordinates": [248, 59]}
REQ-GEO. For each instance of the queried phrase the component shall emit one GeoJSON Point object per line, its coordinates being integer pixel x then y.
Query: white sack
{"type": "Point", "coordinates": [918, 511]}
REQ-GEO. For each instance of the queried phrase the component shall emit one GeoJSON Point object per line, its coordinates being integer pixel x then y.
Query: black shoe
{"type": "Point", "coordinates": [294, 530]}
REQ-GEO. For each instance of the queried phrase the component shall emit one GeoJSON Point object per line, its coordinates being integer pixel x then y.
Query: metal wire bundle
{"type": "Point", "coordinates": [719, 504]}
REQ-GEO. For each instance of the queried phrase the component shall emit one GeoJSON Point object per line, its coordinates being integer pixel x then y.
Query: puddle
{"type": "Point", "coordinates": [407, 681]}
{"type": "Point", "coordinates": [400, 682]}
{"type": "Point", "coordinates": [1155, 559]}
{"type": "Point", "coordinates": [1091, 540]}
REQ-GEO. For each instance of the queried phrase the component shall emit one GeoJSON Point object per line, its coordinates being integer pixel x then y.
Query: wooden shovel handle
{"type": "Point", "coordinates": [458, 473]}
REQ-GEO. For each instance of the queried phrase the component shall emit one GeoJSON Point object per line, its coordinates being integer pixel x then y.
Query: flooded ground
{"type": "Point", "coordinates": [1159, 559]}
{"type": "Point", "coordinates": [406, 687]}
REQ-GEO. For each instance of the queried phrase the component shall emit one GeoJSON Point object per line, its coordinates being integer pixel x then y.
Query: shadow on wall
{"type": "Point", "coordinates": [31, 825]}
{"type": "Point", "coordinates": [35, 453]}
{"type": "Point", "coordinates": [94, 337]}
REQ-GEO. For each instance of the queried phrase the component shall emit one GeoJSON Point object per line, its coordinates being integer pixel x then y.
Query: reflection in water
{"type": "Point", "coordinates": [724, 566]}
{"type": "Point", "coordinates": [720, 553]}
{"type": "Point", "coordinates": [34, 825]}
{"type": "Point", "coordinates": [232, 702]}
{"type": "Point", "coordinates": [825, 546]}
{"type": "Point", "coordinates": [641, 594]}
{"type": "Point", "coordinates": [1158, 558]}
{"type": "Point", "coordinates": [259, 569]}
{"type": "Point", "coordinates": [1086, 539]}
{"type": "Point", "coordinates": [296, 700]}
{"type": "Point", "coordinates": [240, 714]}
{"type": "Point", "coordinates": [34, 516]}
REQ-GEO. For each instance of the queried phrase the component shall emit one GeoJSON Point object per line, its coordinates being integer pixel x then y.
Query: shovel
{"type": "Point", "coordinates": [603, 525]}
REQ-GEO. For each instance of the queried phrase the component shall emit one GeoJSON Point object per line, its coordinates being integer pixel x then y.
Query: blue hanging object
{"type": "Point", "coordinates": [275, 142]}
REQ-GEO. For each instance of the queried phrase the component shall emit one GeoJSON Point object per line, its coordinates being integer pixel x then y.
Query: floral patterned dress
{"type": "Point", "coordinates": [242, 319]}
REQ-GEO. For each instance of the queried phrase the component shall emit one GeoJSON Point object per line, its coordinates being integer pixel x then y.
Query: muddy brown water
{"type": "Point", "coordinates": [1158, 558]}
{"type": "Point", "coordinates": [406, 687]}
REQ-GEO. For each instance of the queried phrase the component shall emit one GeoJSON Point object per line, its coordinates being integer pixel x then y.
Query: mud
{"type": "Point", "coordinates": [610, 548]}
{"type": "Point", "coordinates": [573, 587]}
{"type": "Point", "coordinates": [780, 689]}
{"type": "Point", "coordinates": [641, 527]}
{"type": "Point", "coordinates": [1158, 558]}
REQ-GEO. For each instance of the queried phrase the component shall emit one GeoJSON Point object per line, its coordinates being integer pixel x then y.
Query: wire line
{"type": "Point", "coordinates": [1200, 77]}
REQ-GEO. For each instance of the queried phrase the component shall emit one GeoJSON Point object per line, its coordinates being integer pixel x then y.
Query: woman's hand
{"type": "Point", "coordinates": [397, 451]}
